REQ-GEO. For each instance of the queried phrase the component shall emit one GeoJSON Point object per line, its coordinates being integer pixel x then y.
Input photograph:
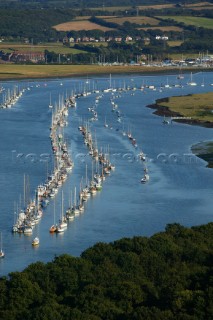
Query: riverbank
{"type": "Point", "coordinates": [14, 71]}
{"type": "Point", "coordinates": [204, 150]}
{"type": "Point", "coordinates": [197, 108]}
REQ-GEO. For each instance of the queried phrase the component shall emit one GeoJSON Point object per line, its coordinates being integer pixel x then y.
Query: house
{"type": "Point", "coordinates": [118, 39]}
{"type": "Point", "coordinates": [102, 39]}
{"type": "Point", "coordinates": [65, 40]}
{"type": "Point", "coordinates": [109, 39]}
{"type": "Point", "coordinates": [128, 38]}
{"type": "Point", "coordinates": [22, 56]}
{"type": "Point", "coordinates": [85, 39]}
{"type": "Point", "coordinates": [71, 40]}
{"type": "Point", "coordinates": [146, 39]}
{"type": "Point", "coordinates": [161, 38]}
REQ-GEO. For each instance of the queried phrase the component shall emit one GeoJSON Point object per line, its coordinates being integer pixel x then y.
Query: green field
{"type": "Point", "coordinates": [196, 106]}
{"type": "Point", "coordinates": [138, 20]}
{"type": "Point", "coordinates": [188, 20]}
{"type": "Point", "coordinates": [52, 47]}
{"type": "Point", "coordinates": [15, 71]}
{"type": "Point", "coordinates": [174, 43]}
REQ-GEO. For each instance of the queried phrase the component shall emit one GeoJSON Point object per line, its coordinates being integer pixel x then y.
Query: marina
{"type": "Point", "coordinates": [101, 166]}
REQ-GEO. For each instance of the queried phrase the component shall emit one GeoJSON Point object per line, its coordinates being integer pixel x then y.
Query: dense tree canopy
{"type": "Point", "coordinates": [167, 276]}
{"type": "Point", "coordinates": [90, 3]}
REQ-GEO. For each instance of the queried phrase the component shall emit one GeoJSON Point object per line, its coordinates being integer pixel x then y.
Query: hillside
{"type": "Point", "coordinates": [167, 276]}
{"type": "Point", "coordinates": [108, 33]}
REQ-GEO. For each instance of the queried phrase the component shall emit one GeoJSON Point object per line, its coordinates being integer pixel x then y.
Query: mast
{"type": "Point", "coordinates": [62, 205]}
{"type": "Point", "coordinates": [24, 200]}
{"type": "Point", "coordinates": [54, 212]}
{"type": "Point", "coordinates": [0, 242]}
{"type": "Point", "coordinates": [86, 176]}
{"type": "Point", "coordinates": [75, 197]}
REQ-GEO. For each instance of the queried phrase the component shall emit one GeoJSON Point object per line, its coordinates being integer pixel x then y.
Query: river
{"type": "Point", "coordinates": [180, 185]}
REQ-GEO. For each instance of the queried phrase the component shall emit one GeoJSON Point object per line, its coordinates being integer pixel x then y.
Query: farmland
{"type": "Point", "coordinates": [138, 20]}
{"type": "Point", "coordinates": [79, 25]}
{"type": "Point", "coordinates": [164, 29]}
{"type": "Point", "coordinates": [126, 8]}
{"type": "Point", "coordinates": [53, 47]}
{"type": "Point", "coordinates": [189, 20]}
{"type": "Point", "coordinates": [200, 5]}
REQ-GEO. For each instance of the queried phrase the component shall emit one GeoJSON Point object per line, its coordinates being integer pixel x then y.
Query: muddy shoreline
{"type": "Point", "coordinates": [166, 112]}
{"type": "Point", "coordinates": [204, 150]}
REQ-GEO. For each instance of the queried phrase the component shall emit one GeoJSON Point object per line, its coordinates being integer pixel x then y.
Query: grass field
{"type": "Point", "coordinates": [202, 8]}
{"type": "Point", "coordinates": [188, 20]}
{"type": "Point", "coordinates": [55, 47]}
{"type": "Point", "coordinates": [180, 56]}
{"type": "Point", "coordinates": [166, 28]}
{"type": "Point", "coordinates": [14, 71]}
{"type": "Point", "coordinates": [82, 23]}
{"type": "Point", "coordinates": [196, 106]}
{"type": "Point", "coordinates": [113, 9]}
{"type": "Point", "coordinates": [138, 20]}
{"type": "Point", "coordinates": [199, 5]}
{"type": "Point", "coordinates": [156, 6]}
{"type": "Point", "coordinates": [174, 43]}
{"type": "Point", "coordinates": [79, 25]}
{"type": "Point", "coordinates": [145, 7]}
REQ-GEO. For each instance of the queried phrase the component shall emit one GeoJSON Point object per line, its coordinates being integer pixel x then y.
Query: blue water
{"type": "Point", "coordinates": [180, 186]}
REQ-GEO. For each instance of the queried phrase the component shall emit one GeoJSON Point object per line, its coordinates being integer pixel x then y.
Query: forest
{"type": "Point", "coordinates": [87, 3]}
{"type": "Point", "coordinates": [166, 276]}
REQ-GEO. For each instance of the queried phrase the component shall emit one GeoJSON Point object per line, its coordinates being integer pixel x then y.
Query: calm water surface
{"type": "Point", "coordinates": [180, 186]}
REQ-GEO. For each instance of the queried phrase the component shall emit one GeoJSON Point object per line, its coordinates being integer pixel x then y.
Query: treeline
{"type": "Point", "coordinates": [168, 276]}
{"type": "Point", "coordinates": [86, 3]}
{"type": "Point", "coordinates": [33, 24]}
{"type": "Point", "coordinates": [104, 23]}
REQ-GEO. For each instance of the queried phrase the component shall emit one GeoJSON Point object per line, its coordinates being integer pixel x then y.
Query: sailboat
{"type": "Point", "coordinates": [35, 241]}
{"type": "Point", "coordinates": [1, 250]}
{"type": "Point", "coordinates": [69, 212]}
{"type": "Point", "coordinates": [106, 124]}
{"type": "Point", "coordinates": [145, 178]}
{"type": "Point", "coordinates": [167, 84]}
{"type": "Point", "coordinates": [203, 84]}
{"type": "Point", "coordinates": [53, 227]}
{"type": "Point", "coordinates": [75, 207]}
{"type": "Point", "coordinates": [62, 223]}
{"type": "Point", "coordinates": [165, 121]}
{"type": "Point", "coordinates": [192, 83]}
{"type": "Point", "coordinates": [50, 104]}
{"type": "Point", "coordinates": [180, 76]}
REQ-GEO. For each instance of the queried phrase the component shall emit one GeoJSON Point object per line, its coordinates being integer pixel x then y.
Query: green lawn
{"type": "Point", "coordinates": [55, 47]}
{"type": "Point", "coordinates": [188, 20]}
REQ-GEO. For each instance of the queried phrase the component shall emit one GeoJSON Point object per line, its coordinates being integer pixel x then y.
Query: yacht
{"type": "Point", "coordinates": [145, 178]}
{"type": "Point", "coordinates": [35, 241]}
